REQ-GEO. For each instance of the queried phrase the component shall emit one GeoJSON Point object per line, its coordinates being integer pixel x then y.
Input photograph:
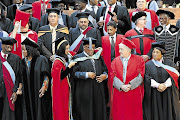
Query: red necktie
{"type": "Point", "coordinates": [4, 56]}
{"type": "Point", "coordinates": [44, 7]}
{"type": "Point", "coordinates": [141, 31]}
{"type": "Point", "coordinates": [107, 19]}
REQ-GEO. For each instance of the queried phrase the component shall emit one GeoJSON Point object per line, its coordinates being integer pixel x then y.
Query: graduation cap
{"type": "Point", "coordinates": [55, 1]}
{"type": "Point", "coordinates": [170, 14]}
{"type": "Point", "coordinates": [25, 7]}
{"type": "Point", "coordinates": [138, 15]}
{"type": "Point", "coordinates": [23, 17]}
{"type": "Point", "coordinates": [30, 42]}
{"type": "Point", "coordinates": [82, 15]}
{"type": "Point", "coordinates": [89, 41]}
{"type": "Point", "coordinates": [53, 10]}
{"type": "Point", "coordinates": [160, 44]}
{"type": "Point", "coordinates": [59, 43]}
{"type": "Point", "coordinates": [128, 43]}
{"type": "Point", "coordinates": [8, 40]}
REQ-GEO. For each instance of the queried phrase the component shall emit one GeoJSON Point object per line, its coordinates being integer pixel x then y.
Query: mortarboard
{"type": "Point", "coordinates": [160, 44]}
{"type": "Point", "coordinates": [23, 17]}
{"type": "Point", "coordinates": [170, 14]}
{"type": "Point", "coordinates": [25, 7]}
{"type": "Point", "coordinates": [128, 43]}
{"type": "Point", "coordinates": [53, 10]}
{"type": "Point", "coordinates": [30, 42]}
{"type": "Point", "coordinates": [89, 41]}
{"type": "Point", "coordinates": [55, 1]}
{"type": "Point", "coordinates": [138, 15]}
{"type": "Point", "coordinates": [82, 15]}
{"type": "Point", "coordinates": [8, 40]}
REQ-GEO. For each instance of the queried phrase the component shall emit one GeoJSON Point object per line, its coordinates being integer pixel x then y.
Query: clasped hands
{"type": "Point", "coordinates": [99, 79]}
{"type": "Point", "coordinates": [126, 88]}
{"type": "Point", "coordinates": [161, 87]}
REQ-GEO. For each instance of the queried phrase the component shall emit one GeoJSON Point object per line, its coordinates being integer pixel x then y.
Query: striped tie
{"type": "Point", "coordinates": [53, 39]}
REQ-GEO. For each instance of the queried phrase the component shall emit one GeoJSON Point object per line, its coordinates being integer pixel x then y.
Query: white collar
{"type": "Point", "coordinates": [158, 61]}
{"type": "Point", "coordinates": [51, 27]}
{"type": "Point", "coordinates": [2, 54]}
{"type": "Point", "coordinates": [137, 28]}
{"type": "Point", "coordinates": [113, 6]}
{"type": "Point", "coordinates": [114, 36]}
{"type": "Point", "coordinates": [126, 58]}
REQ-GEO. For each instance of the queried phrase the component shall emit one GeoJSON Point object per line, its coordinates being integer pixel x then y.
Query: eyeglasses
{"type": "Point", "coordinates": [83, 22]}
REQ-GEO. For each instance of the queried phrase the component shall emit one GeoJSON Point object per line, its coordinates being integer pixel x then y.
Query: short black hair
{"type": "Point", "coordinates": [31, 51]}
{"type": "Point", "coordinates": [112, 23]}
{"type": "Point", "coordinates": [61, 51]}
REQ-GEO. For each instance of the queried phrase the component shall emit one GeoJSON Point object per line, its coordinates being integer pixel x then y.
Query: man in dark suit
{"type": "Point", "coordinates": [81, 7]}
{"type": "Point", "coordinates": [83, 29]}
{"type": "Point", "coordinates": [119, 14]}
{"type": "Point", "coordinates": [34, 23]}
{"type": "Point", "coordinates": [11, 10]}
{"type": "Point", "coordinates": [48, 34]}
{"type": "Point", "coordinates": [63, 18]}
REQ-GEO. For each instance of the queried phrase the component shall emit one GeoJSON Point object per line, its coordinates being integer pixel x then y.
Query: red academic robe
{"type": "Point", "coordinates": [146, 41]}
{"type": "Point", "coordinates": [61, 89]}
{"type": "Point", "coordinates": [37, 9]}
{"type": "Point", "coordinates": [128, 105]}
{"type": "Point", "coordinates": [106, 53]}
{"type": "Point", "coordinates": [17, 49]}
{"type": "Point", "coordinates": [154, 17]}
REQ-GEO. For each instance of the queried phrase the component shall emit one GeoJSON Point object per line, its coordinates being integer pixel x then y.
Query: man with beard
{"type": "Point", "coordinates": [83, 31]}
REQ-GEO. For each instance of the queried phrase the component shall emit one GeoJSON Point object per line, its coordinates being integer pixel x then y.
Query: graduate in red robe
{"type": "Point", "coordinates": [128, 71]}
{"type": "Point", "coordinates": [141, 36]}
{"type": "Point", "coordinates": [24, 32]}
{"type": "Point", "coordinates": [152, 18]}
{"type": "Point", "coordinates": [61, 84]}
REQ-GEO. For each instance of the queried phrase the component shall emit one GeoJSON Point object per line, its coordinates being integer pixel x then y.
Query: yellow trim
{"type": "Point", "coordinates": [61, 43]}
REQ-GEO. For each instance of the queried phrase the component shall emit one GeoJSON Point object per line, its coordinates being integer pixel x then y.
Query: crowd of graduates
{"type": "Point", "coordinates": [102, 62]}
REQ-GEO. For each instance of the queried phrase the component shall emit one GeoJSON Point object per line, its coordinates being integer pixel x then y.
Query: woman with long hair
{"type": "Point", "coordinates": [61, 85]}
{"type": "Point", "coordinates": [36, 72]}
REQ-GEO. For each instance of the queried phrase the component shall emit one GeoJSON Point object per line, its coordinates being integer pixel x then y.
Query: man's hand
{"type": "Point", "coordinates": [52, 58]}
{"type": "Point", "coordinates": [126, 88]}
{"type": "Point", "coordinates": [13, 98]}
{"type": "Point", "coordinates": [114, 18]}
{"type": "Point", "coordinates": [161, 88]}
{"type": "Point", "coordinates": [101, 78]}
{"type": "Point", "coordinates": [100, 23]}
{"type": "Point", "coordinates": [19, 91]}
{"type": "Point", "coordinates": [16, 25]}
{"type": "Point", "coordinates": [71, 64]}
{"type": "Point", "coordinates": [145, 57]}
{"type": "Point", "coordinates": [91, 75]}
{"type": "Point", "coordinates": [42, 91]}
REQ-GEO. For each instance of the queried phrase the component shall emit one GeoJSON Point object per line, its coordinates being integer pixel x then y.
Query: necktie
{"type": "Point", "coordinates": [107, 19]}
{"type": "Point", "coordinates": [112, 42]}
{"type": "Point", "coordinates": [43, 8]}
{"type": "Point", "coordinates": [93, 9]}
{"type": "Point", "coordinates": [53, 40]}
{"type": "Point", "coordinates": [141, 31]}
{"type": "Point", "coordinates": [4, 56]}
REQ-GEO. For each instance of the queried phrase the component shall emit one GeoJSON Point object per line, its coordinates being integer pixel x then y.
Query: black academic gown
{"type": "Point", "coordinates": [45, 41]}
{"type": "Point", "coordinates": [73, 20]}
{"type": "Point", "coordinates": [11, 11]}
{"type": "Point", "coordinates": [124, 23]}
{"type": "Point", "coordinates": [65, 17]}
{"type": "Point", "coordinates": [160, 105]}
{"type": "Point", "coordinates": [6, 25]}
{"type": "Point", "coordinates": [89, 101]}
{"type": "Point", "coordinates": [94, 33]}
{"type": "Point", "coordinates": [36, 108]}
{"type": "Point", "coordinates": [5, 112]}
{"type": "Point", "coordinates": [34, 24]}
